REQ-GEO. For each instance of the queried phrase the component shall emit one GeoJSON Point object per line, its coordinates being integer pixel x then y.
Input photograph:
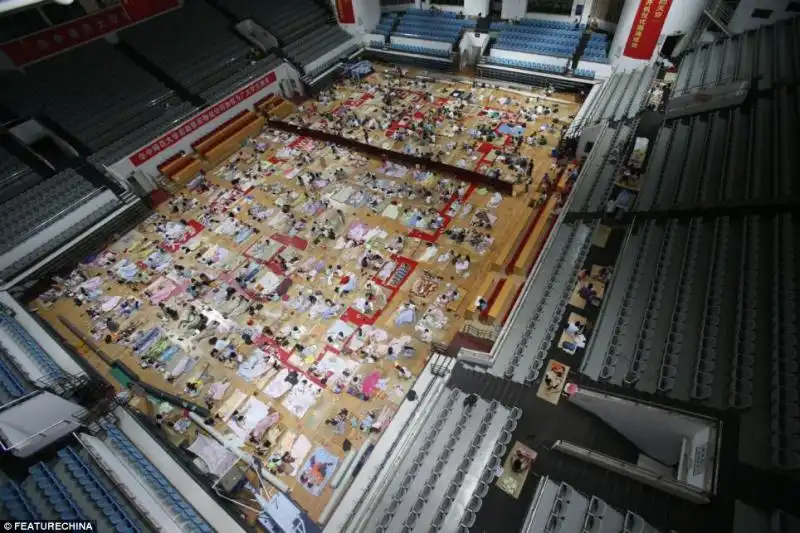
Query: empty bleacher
{"type": "Point", "coordinates": [596, 49]}
{"type": "Point", "coordinates": [304, 29]}
{"type": "Point", "coordinates": [738, 156]}
{"type": "Point", "coordinates": [70, 487]}
{"type": "Point", "coordinates": [520, 355]}
{"type": "Point", "coordinates": [43, 205]}
{"type": "Point", "coordinates": [745, 56]}
{"type": "Point", "coordinates": [557, 506]}
{"type": "Point", "coordinates": [691, 314]}
{"type": "Point", "coordinates": [543, 37]}
{"type": "Point", "coordinates": [386, 24]}
{"type": "Point", "coordinates": [17, 339]}
{"type": "Point", "coordinates": [601, 168]}
{"type": "Point", "coordinates": [441, 480]}
{"type": "Point", "coordinates": [93, 92]}
{"type": "Point", "coordinates": [196, 47]}
{"type": "Point", "coordinates": [621, 97]}
{"type": "Point", "coordinates": [15, 176]}
{"type": "Point", "coordinates": [432, 25]}
{"type": "Point", "coordinates": [13, 383]}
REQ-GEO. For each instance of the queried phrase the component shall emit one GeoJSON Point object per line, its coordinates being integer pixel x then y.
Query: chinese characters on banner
{"type": "Point", "coordinates": [345, 12]}
{"type": "Point", "coordinates": [51, 41]}
{"type": "Point", "coordinates": [175, 136]}
{"type": "Point", "coordinates": [646, 28]}
{"type": "Point", "coordinates": [57, 39]}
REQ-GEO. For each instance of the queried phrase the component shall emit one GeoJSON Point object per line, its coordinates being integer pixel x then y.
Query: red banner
{"type": "Point", "coordinates": [192, 125]}
{"type": "Point", "coordinates": [646, 28]}
{"type": "Point", "coordinates": [57, 39]}
{"type": "Point", "coordinates": [141, 9]}
{"type": "Point", "coordinates": [345, 12]}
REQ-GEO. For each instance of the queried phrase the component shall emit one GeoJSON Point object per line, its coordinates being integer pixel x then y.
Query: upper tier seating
{"type": "Point", "coordinates": [42, 205]}
{"type": "Point", "coordinates": [288, 21]}
{"type": "Point", "coordinates": [386, 23]}
{"type": "Point", "coordinates": [15, 176]}
{"type": "Point", "coordinates": [432, 25]}
{"type": "Point", "coordinates": [13, 384]}
{"type": "Point", "coordinates": [93, 91]}
{"type": "Point", "coordinates": [314, 45]}
{"type": "Point", "coordinates": [545, 37]}
{"type": "Point", "coordinates": [196, 47]}
{"type": "Point", "coordinates": [596, 49]}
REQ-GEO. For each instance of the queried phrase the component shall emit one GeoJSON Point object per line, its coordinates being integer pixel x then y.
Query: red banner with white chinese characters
{"type": "Point", "coordinates": [57, 39]}
{"type": "Point", "coordinates": [188, 127]}
{"type": "Point", "coordinates": [345, 12]}
{"type": "Point", "coordinates": [646, 29]}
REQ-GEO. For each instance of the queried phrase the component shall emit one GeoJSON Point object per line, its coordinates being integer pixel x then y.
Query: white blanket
{"type": "Point", "coordinates": [278, 386]}
{"type": "Point", "coordinates": [301, 398]}
{"type": "Point", "coordinates": [216, 458]}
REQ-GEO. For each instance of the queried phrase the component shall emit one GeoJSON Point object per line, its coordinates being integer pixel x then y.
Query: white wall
{"type": "Point", "coordinates": [513, 9]}
{"type": "Point", "coordinates": [217, 518]}
{"type": "Point", "coordinates": [682, 17]}
{"type": "Point", "coordinates": [471, 8]}
{"type": "Point", "coordinates": [125, 167]}
{"type": "Point", "coordinates": [437, 45]}
{"type": "Point", "coordinates": [517, 9]}
{"type": "Point", "coordinates": [743, 21]}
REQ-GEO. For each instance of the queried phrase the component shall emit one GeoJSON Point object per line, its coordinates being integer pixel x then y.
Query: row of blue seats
{"type": "Point", "coordinates": [538, 49]}
{"type": "Point", "coordinates": [427, 34]}
{"type": "Point", "coordinates": [16, 504]}
{"type": "Point", "coordinates": [596, 46]}
{"type": "Point", "coordinates": [530, 65]}
{"type": "Point", "coordinates": [20, 335]}
{"type": "Point", "coordinates": [163, 489]}
{"type": "Point", "coordinates": [376, 44]}
{"type": "Point", "coordinates": [557, 24]}
{"type": "Point", "coordinates": [55, 493]}
{"type": "Point", "coordinates": [424, 50]}
{"type": "Point", "coordinates": [429, 13]}
{"type": "Point", "coordinates": [444, 22]}
{"type": "Point", "coordinates": [105, 501]}
{"type": "Point", "coordinates": [595, 58]}
{"type": "Point", "coordinates": [584, 73]}
{"type": "Point", "coordinates": [598, 37]}
{"type": "Point", "coordinates": [547, 40]}
{"type": "Point", "coordinates": [542, 32]}
{"type": "Point", "coordinates": [10, 383]}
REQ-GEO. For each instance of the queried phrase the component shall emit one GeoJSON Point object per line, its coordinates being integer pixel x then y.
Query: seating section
{"type": "Point", "coordinates": [705, 160]}
{"type": "Point", "coordinates": [25, 341]}
{"type": "Point", "coordinates": [524, 350]}
{"type": "Point", "coordinates": [41, 206]}
{"type": "Point", "coordinates": [313, 45]}
{"type": "Point", "coordinates": [15, 176]}
{"type": "Point", "coordinates": [157, 483]}
{"type": "Point", "coordinates": [432, 25]}
{"type": "Point", "coordinates": [585, 73]}
{"type": "Point", "coordinates": [386, 23]}
{"type": "Point", "coordinates": [596, 48]}
{"type": "Point", "coordinates": [288, 21]}
{"type": "Point", "coordinates": [69, 487]}
{"type": "Point", "coordinates": [623, 96]}
{"type": "Point", "coordinates": [544, 37]}
{"type": "Point", "coordinates": [440, 484]}
{"type": "Point", "coordinates": [559, 507]}
{"type": "Point", "coordinates": [695, 314]}
{"type": "Point", "coordinates": [424, 50]}
{"type": "Point", "coordinates": [529, 65]}
{"type": "Point", "coordinates": [13, 384]}
{"type": "Point", "coordinates": [94, 92]}
{"type": "Point", "coordinates": [196, 47]}
{"type": "Point", "coordinates": [745, 56]}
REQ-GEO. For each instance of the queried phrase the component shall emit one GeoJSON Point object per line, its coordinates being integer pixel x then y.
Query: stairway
{"type": "Point", "coordinates": [581, 47]}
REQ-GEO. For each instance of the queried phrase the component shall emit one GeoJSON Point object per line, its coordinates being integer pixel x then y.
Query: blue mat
{"type": "Point", "coordinates": [505, 129]}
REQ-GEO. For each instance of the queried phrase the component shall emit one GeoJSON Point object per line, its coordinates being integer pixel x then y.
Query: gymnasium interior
{"type": "Point", "coordinates": [400, 266]}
